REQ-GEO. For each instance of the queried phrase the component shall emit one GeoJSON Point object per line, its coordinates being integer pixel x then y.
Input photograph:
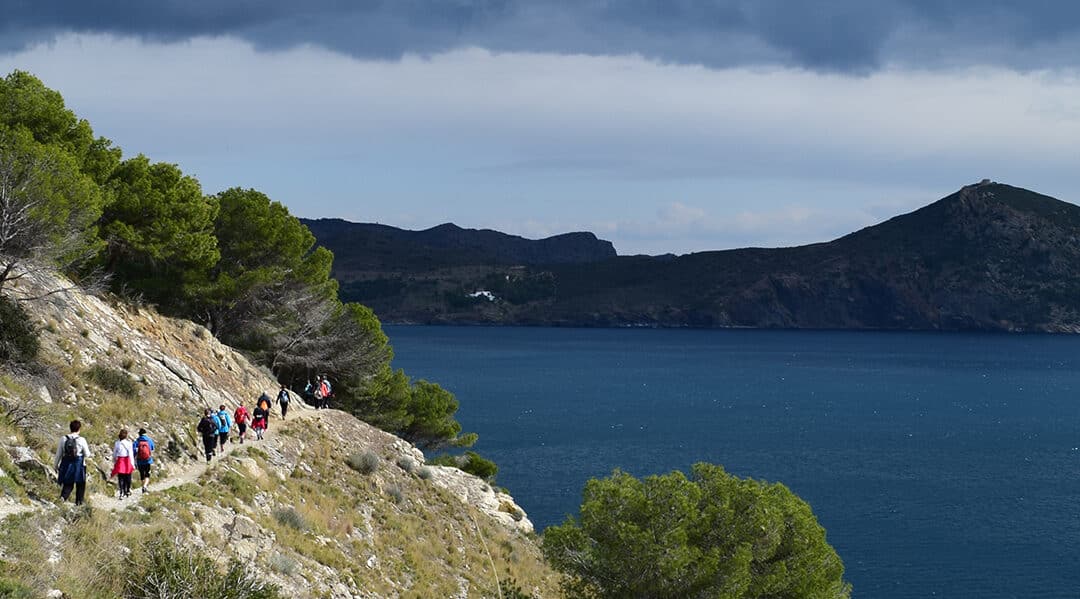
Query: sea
{"type": "Point", "coordinates": [940, 464]}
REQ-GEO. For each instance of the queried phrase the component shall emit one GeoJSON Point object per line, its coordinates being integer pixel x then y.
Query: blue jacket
{"type": "Point", "coordinates": [225, 422]}
{"type": "Point", "coordinates": [136, 449]}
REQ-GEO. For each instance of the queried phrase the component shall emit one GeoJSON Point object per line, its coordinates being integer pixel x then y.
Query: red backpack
{"type": "Point", "coordinates": [142, 450]}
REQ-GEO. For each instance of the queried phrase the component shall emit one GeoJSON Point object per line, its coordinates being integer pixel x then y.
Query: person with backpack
{"type": "Point", "coordinates": [224, 426]}
{"type": "Point", "coordinates": [309, 393]}
{"type": "Point", "coordinates": [123, 463]}
{"type": "Point", "coordinates": [71, 455]}
{"type": "Point", "coordinates": [209, 431]}
{"type": "Point", "coordinates": [324, 392]}
{"type": "Point", "coordinates": [283, 400]}
{"type": "Point", "coordinates": [241, 417]}
{"type": "Point", "coordinates": [265, 403]}
{"type": "Point", "coordinates": [144, 457]}
{"type": "Point", "coordinates": [260, 415]}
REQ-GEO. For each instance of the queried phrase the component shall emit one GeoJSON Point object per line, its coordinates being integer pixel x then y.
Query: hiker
{"type": "Point", "coordinates": [322, 393]}
{"type": "Point", "coordinates": [241, 417]}
{"type": "Point", "coordinates": [264, 402]}
{"type": "Point", "coordinates": [123, 463]}
{"type": "Point", "coordinates": [209, 431]}
{"type": "Point", "coordinates": [71, 456]}
{"type": "Point", "coordinates": [224, 426]}
{"type": "Point", "coordinates": [328, 392]}
{"type": "Point", "coordinates": [283, 400]}
{"type": "Point", "coordinates": [144, 457]}
{"type": "Point", "coordinates": [259, 420]}
{"type": "Point", "coordinates": [309, 393]}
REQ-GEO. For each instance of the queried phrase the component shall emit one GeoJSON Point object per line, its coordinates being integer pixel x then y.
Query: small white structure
{"type": "Point", "coordinates": [489, 296]}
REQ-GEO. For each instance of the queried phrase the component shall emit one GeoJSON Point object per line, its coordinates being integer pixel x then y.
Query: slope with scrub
{"type": "Point", "coordinates": [292, 509]}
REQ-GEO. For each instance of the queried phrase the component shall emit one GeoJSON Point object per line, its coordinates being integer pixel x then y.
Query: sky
{"type": "Point", "coordinates": [661, 125]}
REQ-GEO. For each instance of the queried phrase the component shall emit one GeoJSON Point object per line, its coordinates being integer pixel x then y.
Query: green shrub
{"type": "Point", "coordinates": [291, 518]}
{"type": "Point", "coordinates": [18, 339]}
{"type": "Point", "coordinates": [364, 463]}
{"type": "Point", "coordinates": [406, 463]}
{"type": "Point", "coordinates": [480, 466]}
{"type": "Point", "coordinates": [161, 569]}
{"type": "Point", "coordinates": [470, 462]}
{"type": "Point", "coordinates": [424, 473]}
{"type": "Point", "coordinates": [512, 590]}
{"type": "Point", "coordinates": [113, 380]}
{"type": "Point", "coordinates": [9, 589]}
{"type": "Point", "coordinates": [395, 493]}
{"type": "Point", "coordinates": [707, 535]}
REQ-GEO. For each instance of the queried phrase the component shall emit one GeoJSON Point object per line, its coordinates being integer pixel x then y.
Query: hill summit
{"type": "Point", "coordinates": [988, 257]}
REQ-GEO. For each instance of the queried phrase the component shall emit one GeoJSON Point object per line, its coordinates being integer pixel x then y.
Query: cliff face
{"type": "Point", "coordinates": [290, 507]}
{"type": "Point", "coordinates": [988, 257]}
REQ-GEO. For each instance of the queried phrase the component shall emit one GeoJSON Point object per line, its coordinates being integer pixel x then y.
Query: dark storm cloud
{"type": "Point", "coordinates": [833, 35]}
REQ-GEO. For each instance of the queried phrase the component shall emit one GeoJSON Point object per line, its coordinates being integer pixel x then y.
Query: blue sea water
{"type": "Point", "coordinates": [941, 465]}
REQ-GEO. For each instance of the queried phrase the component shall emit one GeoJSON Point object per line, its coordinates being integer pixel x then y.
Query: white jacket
{"type": "Point", "coordinates": [123, 449]}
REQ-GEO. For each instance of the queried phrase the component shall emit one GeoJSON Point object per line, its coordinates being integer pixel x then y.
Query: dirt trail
{"type": "Point", "coordinates": [188, 474]}
{"type": "Point", "coordinates": [191, 473]}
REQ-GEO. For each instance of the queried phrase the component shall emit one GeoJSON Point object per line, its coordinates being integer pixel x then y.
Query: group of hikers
{"type": "Point", "coordinates": [216, 426]}
{"type": "Point", "coordinates": [128, 456]}
{"type": "Point", "coordinates": [319, 393]}
{"type": "Point", "coordinates": [138, 454]}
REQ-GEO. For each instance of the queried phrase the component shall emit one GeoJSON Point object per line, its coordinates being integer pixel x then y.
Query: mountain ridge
{"type": "Point", "coordinates": [450, 244]}
{"type": "Point", "coordinates": [989, 257]}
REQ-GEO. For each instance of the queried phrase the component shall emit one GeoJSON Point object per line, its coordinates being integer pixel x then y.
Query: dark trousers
{"type": "Point", "coordinates": [284, 410]}
{"type": "Point", "coordinates": [80, 491]}
{"type": "Point", "coordinates": [223, 438]}
{"type": "Point", "coordinates": [124, 483]}
{"type": "Point", "coordinates": [209, 443]}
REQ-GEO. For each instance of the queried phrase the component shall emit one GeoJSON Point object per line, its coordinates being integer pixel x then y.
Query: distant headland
{"type": "Point", "coordinates": [990, 257]}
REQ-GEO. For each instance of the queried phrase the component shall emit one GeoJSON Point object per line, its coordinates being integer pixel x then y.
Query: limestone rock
{"type": "Point", "coordinates": [25, 459]}
{"type": "Point", "coordinates": [474, 491]}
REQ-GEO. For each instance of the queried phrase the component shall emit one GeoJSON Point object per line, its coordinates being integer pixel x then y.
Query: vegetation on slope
{"type": "Point", "coordinates": [236, 261]}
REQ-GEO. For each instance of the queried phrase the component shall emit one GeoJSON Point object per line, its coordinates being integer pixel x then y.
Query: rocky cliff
{"type": "Point", "coordinates": [325, 506]}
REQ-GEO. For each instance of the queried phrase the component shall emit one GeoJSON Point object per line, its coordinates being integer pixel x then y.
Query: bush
{"type": "Point", "coordinates": [10, 589]}
{"type": "Point", "coordinates": [512, 590]}
{"type": "Point", "coordinates": [291, 518]}
{"type": "Point", "coordinates": [710, 535]}
{"type": "Point", "coordinates": [424, 473]}
{"type": "Point", "coordinates": [406, 463]}
{"type": "Point", "coordinates": [283, 564]}
{"type": "Point", "coordinates": [395, 493]}
{"type": "Point", "coordinates": [480, 466]}
{"type": "Point", "coordinates": [162, 570]}
{"type": "Point", "coordinates": [18, 339]}
{"type": "Point", "coordinates": [364, 463]}
{"type": "Point", "coordinates": [471, 462]}
{"type": "Point", "coordinates": [113, 380]}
